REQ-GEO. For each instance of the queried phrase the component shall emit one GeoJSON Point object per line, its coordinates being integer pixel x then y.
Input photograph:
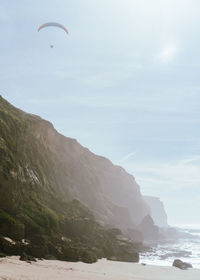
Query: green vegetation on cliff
{"type": "Point", "coordinates": [33, 204]}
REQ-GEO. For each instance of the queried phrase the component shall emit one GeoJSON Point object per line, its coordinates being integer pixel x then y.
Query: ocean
{"type": "Point", "coordinates": [186, 249]}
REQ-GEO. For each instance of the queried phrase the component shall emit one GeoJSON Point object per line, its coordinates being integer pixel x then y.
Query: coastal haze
{"type": "Point", "coordinates": [124, 83]}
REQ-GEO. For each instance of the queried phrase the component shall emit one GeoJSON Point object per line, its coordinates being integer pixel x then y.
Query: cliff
{"type": "Point", "coordinates": [158, 212]}
{"type": "Point", "coordinates": [36, 156]}
{"type": "Point", "coordinates": [42, 172]}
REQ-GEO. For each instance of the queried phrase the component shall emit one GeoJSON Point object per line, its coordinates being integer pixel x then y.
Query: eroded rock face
{"type": "Point", "coordinates": [149, 230]}
{"type": "Point", "coordinates": [158, 212]}
{"type": "Point", "coordinates": [182, 265]}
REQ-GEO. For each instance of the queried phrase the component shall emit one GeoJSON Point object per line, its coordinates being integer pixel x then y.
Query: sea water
{"type": "Point", "coordinates": [186, 249]}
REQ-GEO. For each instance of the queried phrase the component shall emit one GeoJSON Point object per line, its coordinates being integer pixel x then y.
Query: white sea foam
{"type": "Point", "coordinates": [187, 249]}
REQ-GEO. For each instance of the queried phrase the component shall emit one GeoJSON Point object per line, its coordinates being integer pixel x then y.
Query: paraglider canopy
{"type": "Point", "coordinates": [53, 24]}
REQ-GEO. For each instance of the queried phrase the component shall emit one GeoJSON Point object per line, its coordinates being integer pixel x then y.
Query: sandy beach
{"type": "Point", "coordinates": [11, 268]}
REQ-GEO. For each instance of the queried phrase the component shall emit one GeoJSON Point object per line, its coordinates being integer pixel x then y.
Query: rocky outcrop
{"type": "Point", "coordinates": [158, 212]}
{"type": "Point", "coordinates": [148, 229]}
{"type": "Point", "coordinates": [77, 237]}
{"type": "Point", "coordinates": [182, 265]}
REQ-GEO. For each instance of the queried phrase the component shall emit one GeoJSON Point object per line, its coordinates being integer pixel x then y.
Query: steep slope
{"type": "Point", "coordinates": [35, 158]}
{"type": "Point", "coordinates": [158, 212]}
{"type": "Point", "coordinates": [36, 198]}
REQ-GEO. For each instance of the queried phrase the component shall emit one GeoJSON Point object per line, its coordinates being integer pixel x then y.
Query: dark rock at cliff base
{"type": "Point", "coordinates": [123, 250]}
{"type": "Point", "coordinates": [27, 258]}
{"type": "Point", "coordinates": [2, 255]}
{"type": "Point", "coordinates": [126, 258]}
{"type": "Point", "coordinates": [182, 265]}
{"type": "Point", "coordinates": [11, 247]}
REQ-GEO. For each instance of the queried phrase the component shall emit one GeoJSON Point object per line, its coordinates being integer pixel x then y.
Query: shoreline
{"type": "Point", "coordinates": [11, 268]}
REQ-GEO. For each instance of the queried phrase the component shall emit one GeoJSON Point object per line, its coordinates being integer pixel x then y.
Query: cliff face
{"type": "Point", "coordinates": [157, 211]}
{"type": "Point", "coordinates": [149, 230]}
{"type": "Point", "coordinates": [36, 159]}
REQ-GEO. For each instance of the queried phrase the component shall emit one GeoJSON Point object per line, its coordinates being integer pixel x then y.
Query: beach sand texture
{"type": "Point", "coordinates": [13, 269]}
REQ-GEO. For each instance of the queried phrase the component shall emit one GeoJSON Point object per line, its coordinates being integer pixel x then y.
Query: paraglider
{"type": "Point", "coordinates": [53, 24]}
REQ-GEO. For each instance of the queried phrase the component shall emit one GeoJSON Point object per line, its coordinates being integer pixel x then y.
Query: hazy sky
{"type": "Point", "coordinates": [125, 83]}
